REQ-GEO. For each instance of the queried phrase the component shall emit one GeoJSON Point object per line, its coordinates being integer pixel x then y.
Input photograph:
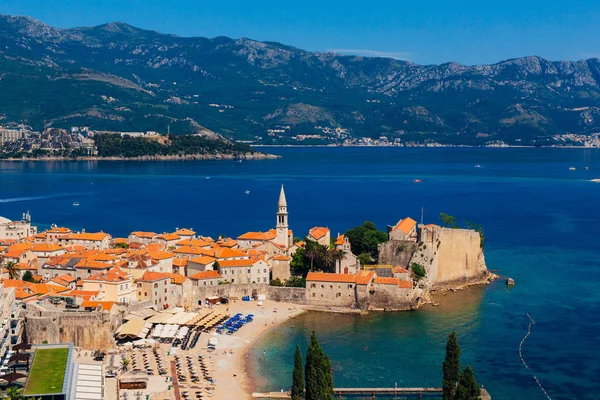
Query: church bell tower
{"type": "Point", "coordinates": [282, 220]}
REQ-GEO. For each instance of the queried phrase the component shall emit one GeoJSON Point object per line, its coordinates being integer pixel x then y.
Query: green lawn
{"type": "Point", "coordinates": [48, 371]}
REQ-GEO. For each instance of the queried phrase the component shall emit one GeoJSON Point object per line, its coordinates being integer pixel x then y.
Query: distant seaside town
{"type": "Point", "coordinates": [118, 307]}
{"type": "Point", "coordinates": [21, 141]}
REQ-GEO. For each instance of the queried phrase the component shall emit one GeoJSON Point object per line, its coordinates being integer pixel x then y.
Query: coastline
{"type": "Point", "coordinates": [186, 157]}
{"type": "Point", "coordinates": [232, 367]}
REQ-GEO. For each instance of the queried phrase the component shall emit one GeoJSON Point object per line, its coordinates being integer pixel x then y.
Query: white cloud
{"type": "Point", "coordinates": [373, 53]}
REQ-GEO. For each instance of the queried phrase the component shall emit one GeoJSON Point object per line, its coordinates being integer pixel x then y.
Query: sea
{"type": "Point", "coordinates": [541, 219]}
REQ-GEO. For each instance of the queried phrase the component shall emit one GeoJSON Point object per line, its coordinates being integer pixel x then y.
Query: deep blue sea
{"type": "Point", "coordinates": [541, 220]}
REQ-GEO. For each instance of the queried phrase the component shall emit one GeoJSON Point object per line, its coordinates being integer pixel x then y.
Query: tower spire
{"type": "Point", "coordinates": [282, 236]}
{"type": "Point", "coordinates": [282, 201]}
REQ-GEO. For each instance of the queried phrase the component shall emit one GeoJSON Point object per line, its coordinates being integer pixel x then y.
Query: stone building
{"type": "Point", "coordinates": [331, 289]}
{"type": "Point", "coordinates": [113, 285]}
{"type": "Point", "coordinates": [253, 270]}
{"type": "Point", "coordinates": [349, 263]}
{"type": "Point", "coordinates": [155, 288]}
{"type": "Point", "coordinates": [280, 267]}
{"type": "Point", "coordinates": [405, 229]}
{"type": "Point", "coordinates": [206, 278]}
{"type": "Point", "coordinates": [320, 235]}
{"type": "Point", "coordinates": [141, 237]}
{"type": "Point", "coordinates": [17, 229]}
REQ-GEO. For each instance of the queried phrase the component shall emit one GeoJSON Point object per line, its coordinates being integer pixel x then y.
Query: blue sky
{"type": "Point", "coordinates": [434, 31]}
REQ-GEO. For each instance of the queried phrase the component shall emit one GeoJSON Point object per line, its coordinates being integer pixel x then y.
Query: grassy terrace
{"type": "Point", "coordinates": [48, 371]}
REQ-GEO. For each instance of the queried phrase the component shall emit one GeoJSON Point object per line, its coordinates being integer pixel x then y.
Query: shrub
{"type": "Point", "coordinates": [418, 270]}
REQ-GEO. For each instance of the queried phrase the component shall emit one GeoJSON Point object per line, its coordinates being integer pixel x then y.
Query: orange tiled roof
{"type": "Point", "coordinates": [431, 226]}
{"type": "Point", "coordinates": [238, 263]}
{"type": "Point", "coordinates": [339, 240]}
{"type": "Point", "coordinates": [204, 260]}
{"type": "Point", "coordinates": [405, 225]}
{"type": "Point", "coordinates": [145, 235]}
{"type": "Point", "coordinates": [399, 270]}
{"type": "Point", "coordinates": [206, 275]}
{"type": "Point", "coordinates": [318, 232]}
{"type": "Point", "coordinates": [180, 262]}
{"type": "Point", "coordinates": [228, 243]}
{"type": "Point", "coordinates": [59, 230]}
{"type": "Point", "coordinates": [264, 236]}
{"type": "Point", "coordinates": [405, 284]}
{"type": "Point", "coordinates": [112, 275]}
{"type": "Point", "coordinates": [104, 305]}
{"type": "Point", "coordinates": [228, 253]}
{"type": "Point", "coordinates": [194, 251]}
{"type": "Point", "coordinates": [168, 236]}
{"type": "Point", "coordinates": [364, 277]}
{"type": "Point", "coordinates": [327, 277]}
{"type": "Point", "coordinates": [176, 279]}
{"type": "Point", "coordinates": [184, 232]}
{"type": "Point", "coordinates": [150, 276]}
{"type": "Point", "coordinates": [281, 258]}
{"type": "Point", "coordinates": [151, 247]}
{"type": "Point", "coordinates": [119, 240]}
{"type": "Point", "coordinates": [387, 281]}
{"type": "Point", "coordinates": [92, 237]}
{"type": "Point", "coordinates": [160, 255]}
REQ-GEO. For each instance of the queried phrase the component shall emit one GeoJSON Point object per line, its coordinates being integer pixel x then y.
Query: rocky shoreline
{"type": "Point", "coordinates": [179, 157]}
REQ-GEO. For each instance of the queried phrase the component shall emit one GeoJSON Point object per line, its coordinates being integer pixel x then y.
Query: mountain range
{"type": "Point", "coordinates": [119, 77]}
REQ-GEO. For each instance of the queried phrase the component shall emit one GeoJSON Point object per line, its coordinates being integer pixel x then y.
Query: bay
{"type": "Point", "coordinates": [541, 221]}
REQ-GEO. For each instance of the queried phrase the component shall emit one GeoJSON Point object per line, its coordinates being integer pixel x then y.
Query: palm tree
{"type": "Point", "coordinates": [14, 393]}
{"type": "Point", "coordinates": [13, 269]}
{"type": "Point", "coordinates": [312, 253]}
{"type": "Point", "coordinates": [334, 256]}
{"type": "Point", "coordinates": [125, 364]}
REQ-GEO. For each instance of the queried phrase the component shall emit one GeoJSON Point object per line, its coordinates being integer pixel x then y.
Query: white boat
{"type": "Point", "coordinates": [75, 204]}
{"type": "Point", "coordinates": [477, 166]}
{"type": "Point", "coordinates": [247, 192]}
{"type": "Point", "coordinates": [572, 169]}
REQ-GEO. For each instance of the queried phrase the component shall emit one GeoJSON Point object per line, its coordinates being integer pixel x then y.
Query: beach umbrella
{"type": "Point", "coordinates": [10, 378]}
{"type": "Point", "coordinates": [21, 346]}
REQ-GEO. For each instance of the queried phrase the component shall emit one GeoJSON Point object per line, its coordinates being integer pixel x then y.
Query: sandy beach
{"type": "Point", "coordinates": [230, 374]}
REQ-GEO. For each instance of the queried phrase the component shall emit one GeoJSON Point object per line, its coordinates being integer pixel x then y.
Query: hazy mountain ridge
{"type": "Point", "coordinates": [242, 87]}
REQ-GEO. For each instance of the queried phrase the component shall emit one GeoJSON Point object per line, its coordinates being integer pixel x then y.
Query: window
{"type": "Point", "coordinates": [338, 294]}
{"type": "Point", "coordinates": [146, 294]}
{"type": "Point", "coordinates": [248, 270]}
{"type": "Point", "coordinates": [155, 285]}
{"type": "Point", "coordinates": [330, 286]}
{"type": "Point", "coordinates": [314, 294]}
{"type": "Point", "coordinates": [265, 271]}
{"type": "Point", "coordinates": [349, 286]}
{"type": "Point", "coordinates": [322, 286]}
{"type": "Point", "coordinates": [313, 285]}
{"type": "Point", "coordinates": [165, 290]}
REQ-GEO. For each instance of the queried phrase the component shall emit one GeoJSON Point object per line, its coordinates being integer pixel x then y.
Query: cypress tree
{"type": "Point", "coordinates": [467, 386]}
{"type": "Point", "coordinates": [311, 369]}
{"type": "Point", "coordinates": [451, 367]}
{"type": "Point", "coordinates": [319, 379]}
{"type": "Point", "coordinates": [298, 376]}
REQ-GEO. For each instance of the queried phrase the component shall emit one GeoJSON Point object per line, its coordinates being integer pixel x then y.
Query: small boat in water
{"type": "Point", "coordinates": [247, 192]}
{"type": "Point", "coordinates": [417, 181]}
{"type": "Point", "coordinates": [477, 166]}
{"type": "Point", "coordinates": [75, 204]}
{"type": "Point", "coordinates": [572, 169]}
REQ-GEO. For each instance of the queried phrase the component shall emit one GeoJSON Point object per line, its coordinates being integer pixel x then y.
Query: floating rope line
{"type": "Point", "coordinates": [523, 360]}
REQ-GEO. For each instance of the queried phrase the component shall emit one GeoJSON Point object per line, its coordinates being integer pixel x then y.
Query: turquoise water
{"type": "Point", "coordinates": [541, 221]}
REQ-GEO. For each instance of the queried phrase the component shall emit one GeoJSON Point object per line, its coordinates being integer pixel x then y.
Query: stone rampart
{"type": "Point", "coordinates": [459, 256]}
{"type": "Point", "coordinates": [88, 330]}
{"type": "Point", "coordinates": [296, 295]}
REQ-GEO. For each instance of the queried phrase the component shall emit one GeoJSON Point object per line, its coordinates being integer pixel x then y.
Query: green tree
{"type": "Point", "coordinates": [467, 386]}
{"type": "Point", "coordinates": [216, 266]}
{"type": "Point", "coordinates": [300, 265]}
{"type": "Point", "coordinates": [125, 364]}
{"type": "Point", "coordinates": [276, 282]}
{"type": "Point", "coordinates": [14, 393]}
{"type": "Point", "coordinates": [298, 376]}
{"type": "Point", "coordinates": [451, 367]}
{"type": "Point", "coordinates": [296, 281]}
{"type": "Point", "coordinates": [417, 270]}
{"type": "Point", "coordinates": [12, 268]}
{"type": "Point", "coordinates": [317, 372]}
{"type": "Point", "coordinates": [121, 245]}
{"type": "Point", "coordinates": [364, 258]}
{"type": "Point", "coordinates": [28, 277]}
{"type": "Point", "coordinates": [448, 220]}
{"type": "Point", "coordinates": [366, 238]}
